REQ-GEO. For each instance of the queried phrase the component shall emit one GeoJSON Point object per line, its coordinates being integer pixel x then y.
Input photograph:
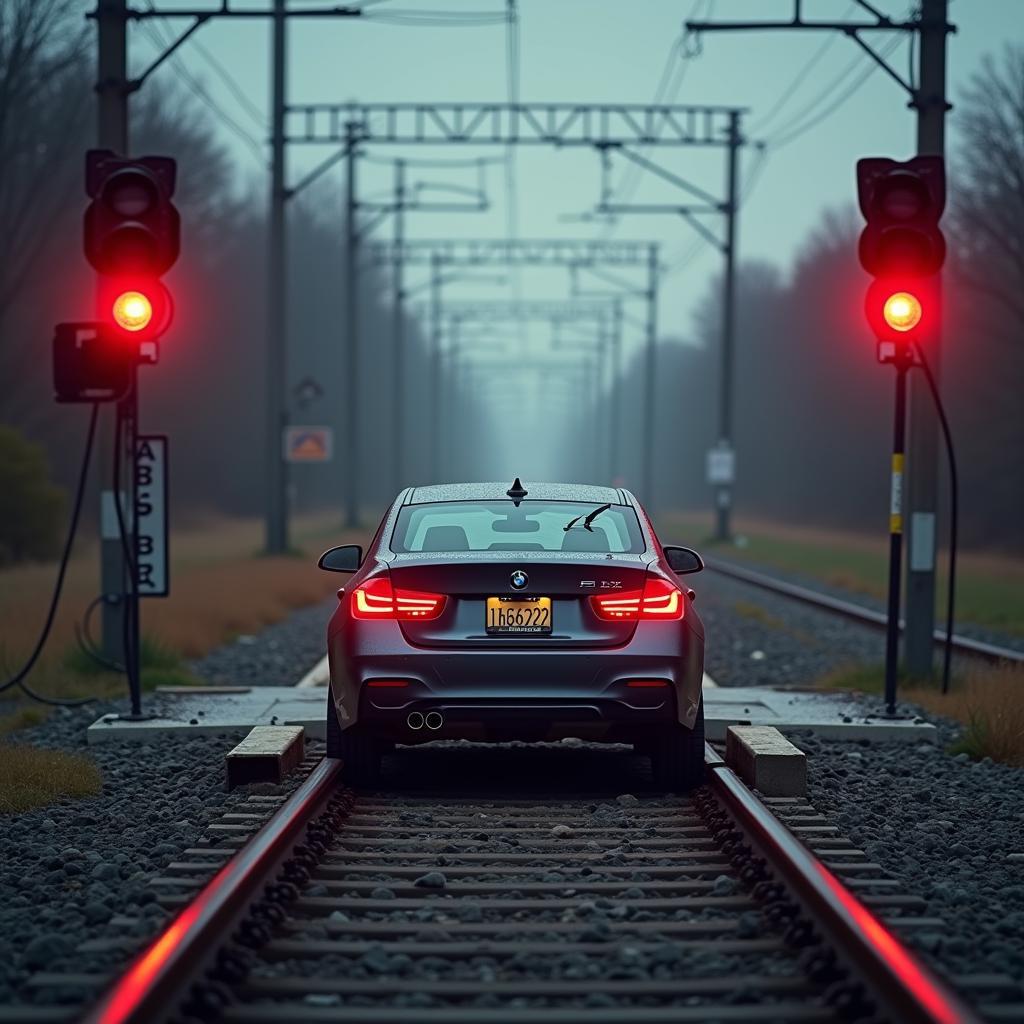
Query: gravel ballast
{"type": "Point", "coordinates": [949, 828]}
{"type": "Point", "coordinates": [66, 871]}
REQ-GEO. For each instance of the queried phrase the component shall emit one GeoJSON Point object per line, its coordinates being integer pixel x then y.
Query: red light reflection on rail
{"type": "Point", "coordinates": [123, 1002]}
{"type": "Point", "coordinates": [896, 956]}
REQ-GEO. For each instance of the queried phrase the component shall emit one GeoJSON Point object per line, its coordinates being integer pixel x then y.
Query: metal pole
{"type": "Point", "coordinates": [616, 394]}
{"type": "Point", "coordinates": [112, 133]}
{"type": "Point", "coordinates": [922, 478]}
{"type": "Point", "coordinates": [650, 378]}
{"type": "Point", "coordinates": [276, 541]}
{"type": "Point", "coordinates": [435, 366]}
{"type": "Point", "coordinates": [351, 330]}
{"type": "Point", "coordinates": [892, 633]}
{"type": "Point", "coordinates": [723, 497]}
{"type": "Point", "coordinates": [398, 330]}
{"type": "Point", "coordinates": [451, 385]}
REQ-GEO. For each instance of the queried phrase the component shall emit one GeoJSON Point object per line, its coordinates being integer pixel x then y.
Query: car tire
{"type": "Point", "coordinates": [677, 756]}
{"type": "Point", "coordinates": [359, 753]}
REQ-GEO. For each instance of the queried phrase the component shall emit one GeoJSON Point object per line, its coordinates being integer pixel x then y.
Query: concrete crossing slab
{"type": "Point", "coordinates": [832, 716]}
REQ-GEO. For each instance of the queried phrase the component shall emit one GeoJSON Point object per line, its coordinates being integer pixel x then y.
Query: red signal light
{"type": "Point", "coordinates": [902, 311]}
{"type": "Point", "coordinates": [132, 311]}
{"type": "Point", "coordinates": [137, 308]}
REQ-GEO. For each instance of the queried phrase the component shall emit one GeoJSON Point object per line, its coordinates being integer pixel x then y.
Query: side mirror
{"type": "Point", "coordinates": [346, 558]}
{"type": "Point", "coordinates": [683, 560]}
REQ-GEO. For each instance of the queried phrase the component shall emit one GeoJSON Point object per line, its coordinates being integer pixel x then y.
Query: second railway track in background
{"type": "Point", "coordinates": [422, 908]}
{"type": "Point", "coordinates": [857, 612]}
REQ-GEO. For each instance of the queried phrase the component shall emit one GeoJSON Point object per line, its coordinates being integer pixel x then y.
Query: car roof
{"type": "Point", "coordinates": [535, 491]}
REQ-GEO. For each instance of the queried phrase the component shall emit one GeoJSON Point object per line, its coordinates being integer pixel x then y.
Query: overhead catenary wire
{"type": "Point", "coordinates": [791, 131]}
{"type": "Point", "coordinates": [158, 37]}
{"type": "Point", "coordinates": [759, 124]}
{"type": "Point", "coordinates": [795, 128]}
{"type": "Point", "coordinates": [672, 75]}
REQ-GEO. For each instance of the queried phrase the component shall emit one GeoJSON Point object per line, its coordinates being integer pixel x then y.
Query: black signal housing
{"type": "Point", "coordinates": [131, 225]}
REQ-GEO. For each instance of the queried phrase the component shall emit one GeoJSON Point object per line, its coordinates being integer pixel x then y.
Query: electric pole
{"type": "Point", "coordinates": [930, 26]}
{"type": "Point", "coordinates": [435, 366]}
{"type": "Point", "coordinates": [351, 341]}
{"type": "Point", "coordinates": [616, 384]}
{"type": "Point", "coordinates": [923, 460]}
{"type": "Point", "coordinates": [112, 134]}
{"type": "Point", "coordinates": [276, 542]}
{"type": "Point", "coordinates": [398, 329]}
{"type": "Point", "coordinates": [723, 497]}
{"type": "Point", "coordinates": [651, 376]}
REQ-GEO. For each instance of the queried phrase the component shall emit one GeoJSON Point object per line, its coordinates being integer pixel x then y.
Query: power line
{"type": "Point", "coordinates": [759, 125]}
{"type": "Point", "coordinates": [672, 74]}
{"type": "Point", "coordinates": [785, 137]}
{"type": "Point", "coordinates": [232, 85]}
{"type": "Point", "coordinates": [157, 36]}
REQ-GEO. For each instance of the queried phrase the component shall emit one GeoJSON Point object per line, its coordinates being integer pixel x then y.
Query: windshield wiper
{"type": "Point", "coordinates": [590, 518]}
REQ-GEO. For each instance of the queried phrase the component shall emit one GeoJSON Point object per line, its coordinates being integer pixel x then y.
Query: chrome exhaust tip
{"type": "Point", "coordinates": [415, 720]}
{"type": "Point", "coordinates": [434, 720]}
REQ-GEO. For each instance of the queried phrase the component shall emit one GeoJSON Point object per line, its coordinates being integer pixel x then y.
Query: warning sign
{"type": "Point", "coordinates": [308, 444]}
{"type": "Point", "coordinates": [151, 548]}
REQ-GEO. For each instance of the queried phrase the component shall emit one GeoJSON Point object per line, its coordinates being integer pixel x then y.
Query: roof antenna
{"type": "Point", "coordinates": [517, 492]}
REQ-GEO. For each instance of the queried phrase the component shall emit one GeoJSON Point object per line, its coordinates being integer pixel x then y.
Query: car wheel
{"type": "Point", "coordinates": [677, 757]}
{"type": "Point", "coordinates": [360, 753]}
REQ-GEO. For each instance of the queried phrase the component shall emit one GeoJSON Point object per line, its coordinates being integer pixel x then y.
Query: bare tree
{"type": "Point", "coordinates": [987, 213]}
{"type": "Point", "coordinates": [44, 102]}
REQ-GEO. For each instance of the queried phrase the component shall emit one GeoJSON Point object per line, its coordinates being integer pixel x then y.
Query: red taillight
{"type": "Point", "coordinates": [377, 599]}
{"type": "Point", "coordinates": [643, 684]}
{"type": "Point", "coordinates": [658, 600]}
{"type": "Point", "coordinates": [390, 684]}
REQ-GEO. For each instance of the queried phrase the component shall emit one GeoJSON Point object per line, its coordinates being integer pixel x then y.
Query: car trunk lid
{"type": "Point", "coordinates": [468, 579]}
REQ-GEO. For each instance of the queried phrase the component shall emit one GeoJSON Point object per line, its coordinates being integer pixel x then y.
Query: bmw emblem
{"type": "Point", "coordinates": [519, 580]}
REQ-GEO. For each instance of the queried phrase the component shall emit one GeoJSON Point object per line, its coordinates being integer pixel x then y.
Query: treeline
{"type": "Point", "coordinates": [813, 409]}
{"type": "Point", "coordinates": [209, 390]}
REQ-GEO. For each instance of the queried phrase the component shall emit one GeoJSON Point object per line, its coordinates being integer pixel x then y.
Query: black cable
{"type": "Point", "coordinates": [953, 512]}
{"type": "Point", "coordinates": [18, 679]}
{"type": "Point", "coordinates": [86, 644]}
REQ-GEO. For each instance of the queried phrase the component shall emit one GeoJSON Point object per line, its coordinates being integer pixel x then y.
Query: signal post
{"type": "Point", "coordinates": [131, 238]}
{"type": "Point", "coordinates": [903, 248]}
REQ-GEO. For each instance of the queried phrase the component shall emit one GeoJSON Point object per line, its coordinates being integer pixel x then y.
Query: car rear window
{"type": "Point", "coordinates": [448, 526]}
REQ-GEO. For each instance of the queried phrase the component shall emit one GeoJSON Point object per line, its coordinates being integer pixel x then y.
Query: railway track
{"type": "Point", "coordinates": [858, 612]}
{"type": "Point", "coordinates": [416, 908]}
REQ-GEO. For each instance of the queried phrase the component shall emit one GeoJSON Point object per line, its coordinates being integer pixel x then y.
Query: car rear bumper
{"type": "Point", "coordinates": [521, 694]}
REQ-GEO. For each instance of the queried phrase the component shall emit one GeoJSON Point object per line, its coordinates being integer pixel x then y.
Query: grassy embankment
{"type": "Point", "coordinates": [989, 590]}
{"type": "Point", "coordinates": [221, 587]}
{"type": "Point", "coordinates": [987, 701]}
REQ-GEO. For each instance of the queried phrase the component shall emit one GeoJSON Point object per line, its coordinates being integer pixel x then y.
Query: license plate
{"type": "Point", "coordinates": [519, 615]}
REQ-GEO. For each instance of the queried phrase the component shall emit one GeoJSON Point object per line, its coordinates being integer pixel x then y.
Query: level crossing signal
{"type": "Point", "coordinates": [902, 246]}
{"type": "Point", "coordinates": [132, 237]}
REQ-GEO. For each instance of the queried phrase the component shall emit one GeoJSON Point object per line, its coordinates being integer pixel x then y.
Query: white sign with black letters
{"type": "Point", "coordinates": [151, 547]}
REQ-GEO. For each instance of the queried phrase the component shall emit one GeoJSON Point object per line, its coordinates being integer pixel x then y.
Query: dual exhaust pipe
{"type": "Point", "coordinates": [432, 720]}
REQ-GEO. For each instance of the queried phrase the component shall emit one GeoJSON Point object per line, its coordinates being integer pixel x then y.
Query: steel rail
{"type": "Point", "coordinates": [908, 990]}
{"type": "Point", "coordinates": [857, 612]}
{"type": "Point", "coordinates": [159, 977]}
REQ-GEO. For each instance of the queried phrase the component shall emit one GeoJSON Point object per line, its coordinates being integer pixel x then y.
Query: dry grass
{"type": "Point", "coordinates": [30, 777]}
{"type": "Point", "coordinates": [23, 718]}
{"type": "Point", "coordinates": [987, 701]}
{"type": "Point", "coordinates": [220, 587]}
